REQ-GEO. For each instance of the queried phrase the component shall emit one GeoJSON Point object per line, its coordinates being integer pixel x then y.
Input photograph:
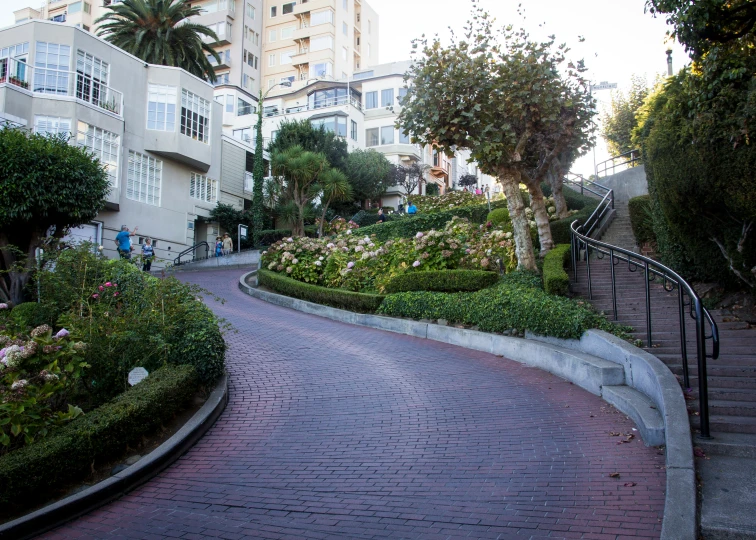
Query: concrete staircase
{"type": "Point", "coordinates": [620, 233]}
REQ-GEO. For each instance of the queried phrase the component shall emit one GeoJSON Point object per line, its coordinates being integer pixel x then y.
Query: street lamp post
{"type": "Point", "coordinates": [258, 170]}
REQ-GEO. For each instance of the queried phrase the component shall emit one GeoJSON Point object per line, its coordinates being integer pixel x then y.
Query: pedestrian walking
{"type": "Point", "coordinates": [400, 208]}
{"type": "Point", "coordinates": [218, 246]}
{"type": "Point", "coordinates": [228, 244]}
{"type": "Point", "coordinates": [148, 254]}
{"type": "Point", "coordinates": [123, 242]}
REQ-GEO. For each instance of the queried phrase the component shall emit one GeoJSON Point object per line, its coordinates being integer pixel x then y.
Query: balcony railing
{"type": "Point", "coordinates": [61, 83]}
{"type": "Point", "coordinates": [319, 104]}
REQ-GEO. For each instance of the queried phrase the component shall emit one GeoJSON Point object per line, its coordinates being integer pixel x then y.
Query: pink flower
{"type": "Point", "coordinates": [416, 264]}
{"type": "Point", "coordinates": [350, 265]}
{"type": "Point", "coordinates": [116, 293]}
{"type": "Point", "coordinates": [115, 284]}
{"type": "Point", "coordinates": [108, 284]}
{"type": "Point", "coordinates": [419, 235]}
{"type": "Point", "coordinates": [95, 295]}
{"type": "Point", "coordinates": [101, 288]}
{"type": "Point", "coordinates": [3, 306]}
{"type": "Point", "coordinates": [62, 333]}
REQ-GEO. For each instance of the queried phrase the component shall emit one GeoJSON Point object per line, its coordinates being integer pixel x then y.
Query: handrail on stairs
{"type": "Point", "coordinates": [582, 243]}
{"type": "Point", "coordinates": [626, 160]}
{"type": "Point", "coordinates": [177, 261]}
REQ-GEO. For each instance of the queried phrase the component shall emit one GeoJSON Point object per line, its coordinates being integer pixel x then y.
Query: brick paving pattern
{"type": "Point", "coordinates": [338, 431]}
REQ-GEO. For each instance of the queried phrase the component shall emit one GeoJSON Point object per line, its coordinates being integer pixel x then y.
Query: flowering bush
{"type": "Point", "coordinates": [362, 263]}
{"type": "Point", "coordinates": [38, 374]}
{"type": "Point", "coordinates": [428, 204]}
{"type": "Point", "coordinates": [337, 226]}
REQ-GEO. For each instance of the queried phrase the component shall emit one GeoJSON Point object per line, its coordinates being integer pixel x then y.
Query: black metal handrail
{"type": "Point", "coordinates": [580, 239]}
{"type": "Point", "coordinates": [626, 159]}
{"type": "Point", "coordinates": [177, 260]}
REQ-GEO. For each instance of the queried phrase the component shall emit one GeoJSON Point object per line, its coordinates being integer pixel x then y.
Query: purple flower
{"type": "Point", "coordinates": [108, 284]}
{"type": "Point", "coordinates": [416, 264]}
{"type": "Point", "coordinates": [95, 295]}
{"type": "Point", "coordinates": [2, 352]}
{"type": "Point", "coordinates": [350, 265]}
{"type": "Point", "coordinates": [419, 235]}
{"type": "Point", "coordinates": [3, 306]}
{"type": "Point", "coordinates": [101, 288]}
{"type": "Point", "coordinates": [62, 333]}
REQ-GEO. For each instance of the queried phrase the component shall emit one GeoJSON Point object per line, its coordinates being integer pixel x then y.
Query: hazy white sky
{"type": "Point", "coordinates": [620, 39]}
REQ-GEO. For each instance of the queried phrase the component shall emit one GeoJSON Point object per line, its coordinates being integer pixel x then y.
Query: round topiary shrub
{"type": "Point", "coordinates": [498, 217]}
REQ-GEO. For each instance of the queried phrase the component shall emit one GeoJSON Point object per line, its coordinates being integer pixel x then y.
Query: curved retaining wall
{"type": "Point", "coordinates": [634, 381]}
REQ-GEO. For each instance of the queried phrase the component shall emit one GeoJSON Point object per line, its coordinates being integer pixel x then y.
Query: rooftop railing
{"type": "Point", "coordinates": [318, 104]}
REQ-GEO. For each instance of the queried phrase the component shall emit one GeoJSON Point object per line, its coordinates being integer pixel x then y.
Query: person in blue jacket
{"type": "Point", "coordinates": [123, 241]}
{"type": "Point", "coordinates": [412, 209]}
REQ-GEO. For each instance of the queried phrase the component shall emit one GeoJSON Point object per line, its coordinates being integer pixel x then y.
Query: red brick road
{"type": "Point", "coordinates": [338, 431]}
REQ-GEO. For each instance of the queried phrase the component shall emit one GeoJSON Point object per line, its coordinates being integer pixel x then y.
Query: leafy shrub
{"type": "Point", "coordinates": [340, 298]}
{"type": "Point", "coordinates": [499, 218]}
{"type": "Point", "coordinates": [35, 470]}
{"type": "Point", "coordinates": [363, 218]}
{"type": "Point", "coordinates": [271, 236]}
{"type": "Point", "coordinates": [641, 218]}
{"type": "Point", "coordinates": [555, 278]}
{"type": "Point", "coordinates": [442, 281]}
{"type": "Point", "coordinates": [429, 204]}
{"type": "Point", "coordinates": [560, 229]}
{"type": "Point", "coordinates": [573, 198]}
{"type": "Point", "coordinates": [32, 314]}
{"type": "Point", "coordinates": [516, 303]}
{"type": "Point", "coordinates": [37, 375]}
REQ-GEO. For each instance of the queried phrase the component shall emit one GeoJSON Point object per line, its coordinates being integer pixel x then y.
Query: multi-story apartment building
{"type": "Point", "coordinates": [154, 128]}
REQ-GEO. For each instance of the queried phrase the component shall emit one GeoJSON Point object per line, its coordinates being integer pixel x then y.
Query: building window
{"type": "Point", "coordinates": [346, 5]}
{"type": "Point", "coordinates": [161, 107]}
{"type": "Point", "coordinates": [195, 116]}
{"type": "Point", "coordinates": [221, 78]}
{"type": "Point", "coordinates": [328, 98]}
{"type": "Point", "coordinates": [322, 69]}
{"type": "Point", "coordinates": [273, 11]}
{"type": "Point", "coordinates": [336, 124]}
{"type": "Point", "coordinates": [354, 130]}
{"type": "Point", "coordinates": [288, 32]}
{"type": "Point", "coordinates": [321, 17]}
{"type": "Point", "coordinates": [272, 35]}
{"type": "Point", "coordinates": [230, 103]}
{"type": "Point", "coordinates": [371, 137]}
{"type": "Point", "coordinates": [288, 8]}
{"type": "Point", "coordinates": [321, 43]}
{"type": "Point", "coordinates": [387, 97]}
{"type": "Point", "coordinates": [387, 135]}
{"type": "Point", "coordinates": [286, 57]}
{"type": "Point", "coordinates": [246, 81]}
{"type": "Point", "coordinates": [345, 29]}
{"type": "Point", "coordinates": [143, 179]}
{"type": "Point", "coordinates": [250, 11]}
{"type": "Point", "coordinates": [202, 188]}
{"type": "Point", "coordinates": [271, 60]}
{"type": "Point", "coordinates": [52, 125]}
{"type": "Point", "coordinates": [402, 93]}
{"type": "Point", "coordinates": [371, 100]}
{"type": "Point", "coordinates": [52, 63]}
{"type": "Point", "coordinates": [249, 181]}
{"type": "Point", "coordinates": [92, 80]}
{"type": "Point", "coordinates": [104, 145]}
{"type": "Point", "coordinates": [289, 79]}
{"type": "Point", "coordinates": [370, 26]}
{"type": "Point", "coordinates": [344, 53]}
{"type": "Point", "coordinates": [403, 137]}
{"type": "Point", "coordinates": [244, 134]}
{"type": "Point", "coordinates": [59, 18]}
{"type": "Point", "coordinates": [368, 51]}
{"type": "Point", "coordinates": [243, 108]}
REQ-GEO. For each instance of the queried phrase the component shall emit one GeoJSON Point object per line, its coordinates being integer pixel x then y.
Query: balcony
{"type": "Point", "coordinates": [225, 60]}
{"type": "Point", "coordinates": [320, 106]}
{"type": "Point", "coordinates": [311, 5]}
{"type": "Point", "coordinates": [49, 82]}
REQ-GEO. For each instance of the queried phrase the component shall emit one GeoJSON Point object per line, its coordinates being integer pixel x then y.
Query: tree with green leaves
{"type": "Point", "coordinates": [47, 187]}
{"type": "Point", "coordinates": [313, 139]}
{"type": "Point", "coordinates": [296, 171]}
{"type": "Point", "coordinates": [229, 218]}
{"type": "Point", "coordinates": [161, 32]}
{"type": "Point", "coordinates": [408, 176]}
{"type": "Point", "coordinates": [493, 92]}
{"type": "Point", "coordinates": [334, 186]}
{"type": "Point", "coordinates": [468, 180]}
{"type": "Point", "coordinates": [369, 172]}
{"type": "Point", "coordinates": [619, 122]}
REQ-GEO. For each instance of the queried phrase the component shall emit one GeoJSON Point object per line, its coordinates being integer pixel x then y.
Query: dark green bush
{"type": "Point", "coordinates": [498, 217]}
{"type": "Point", "coordinates": [442, 281]}
{"type": "Point", "coordinates": [407, 227]}
{"type": "Point", "coordinates": [271, 236]}
{"type": "Point", "coordinates": [36, 470]}
{"type": "Point", "coordinates": [353, 301]}
{"type": "Point", "coordinates": [555, 278]}
{"type": "Point", "coordinates": [560, 229]}
{"type": "Point", "coordinates": [365, 218]}
{"type": "Point", "coordinates": [32, 314]}
{"type": "Point", "coordinates": [573, 198]}
{"type": "Point", "coordinates": [517, 302]}
{"type": "Point", "coordinates": [641, 218]}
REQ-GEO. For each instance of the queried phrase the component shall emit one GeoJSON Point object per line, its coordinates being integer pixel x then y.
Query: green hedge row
{"type": "Point", "coordinates": [560, 229]}
{"type": "Point", "coordinates": [641, 220]}
{"type": "Point", "coordinates": [365, 218]}
{"type": "Point", "coordinates": [442, 281]}
{"type": "Point", "coordinates": [407, 227]}
{"type": "Point", "coordinates": [353, 301]}
{"type": "Point", "coordinates": [555, 278]}
{"type": "Point", "coordinates": [36, 470]}
{"type": "Point", "coordinates": [271, 236]}
{"type": "Point", "coordinates": [516, 303]}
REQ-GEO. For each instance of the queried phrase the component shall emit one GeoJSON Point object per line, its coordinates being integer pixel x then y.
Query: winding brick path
{"type": "Point", "coordinates": [337, 431]}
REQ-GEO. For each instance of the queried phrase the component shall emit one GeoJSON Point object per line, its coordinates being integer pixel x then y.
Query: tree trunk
{"type": "Point", "coordinates": [17, 272]}
{"type": "Point", "coordinates": [541, 216]}
{"type": "Point", "coordinates": [510, 182]}
{"type": "Point", "coordinates": [555, 179]}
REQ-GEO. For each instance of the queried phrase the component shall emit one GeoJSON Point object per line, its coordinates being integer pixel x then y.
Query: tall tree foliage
{"type": "Point", "coordinates": [619, 122]}
{"type": "Point", "coordinates": [369, 172]}
{"type": "Point", "coordinates": [313, 139]}
{"type": "Point", "coordinates": [494, 92]}
{"type": "Point", "coordinates": [468, 180]}
{"type": "Point", "coordinates": [408, 177]}
{"type": "Point", "coordinates": [160, 32]}
{"type": "Point", "coordinates": [335, 187]}
{"type": "Point", "coordinates": [47, 186]}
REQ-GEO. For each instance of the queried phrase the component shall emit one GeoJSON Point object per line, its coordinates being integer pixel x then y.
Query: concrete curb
{"type": "Point", "coordinates": [70, 508]}
{"type": "Point", "coordinates": [637, 369]}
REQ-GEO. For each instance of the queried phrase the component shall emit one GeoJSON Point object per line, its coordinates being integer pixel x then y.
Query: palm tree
{"type": "Point", "coordinates": [159, 32]}
{"type": "Point", "coordinates": [335, 186]}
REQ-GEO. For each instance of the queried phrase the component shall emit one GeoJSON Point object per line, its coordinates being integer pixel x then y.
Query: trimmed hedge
{"type": "Point", "coordinates": [500, 216]}
{"type": "Point", "coordinates": [516, 303]}
{"type": "Point", "coordinates": [640, 219]}
{"type": "Point", "coordinates": [555, 278]}
{"type": "Point", "coordinates": [365, 218]}
{"type": "Point", "coordinates": [560, 229]}
{"type": "Point", "coordinates": [353, 301]}
{"type": "Point", "coordinates": [409, 226]}
{"type": "Point", "coordinates": [36, 470]}
{"type": "Point", "coordinates": [442, 281]}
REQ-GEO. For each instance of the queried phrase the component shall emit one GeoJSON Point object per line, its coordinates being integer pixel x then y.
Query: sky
{"type": "Point", "coordinates": [620, 39]}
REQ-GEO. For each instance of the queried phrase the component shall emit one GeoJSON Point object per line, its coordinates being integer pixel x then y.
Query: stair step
{"type": "Point", "coordinates": [727, 424]}
{"type": "Point", "coordinates": [640, 408]}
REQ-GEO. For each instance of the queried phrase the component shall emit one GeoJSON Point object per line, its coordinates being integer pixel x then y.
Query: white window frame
{"type": "Point", "coordinates": [314, 17]}
{"type": "Point", "coordinates": [195, 116]}
{"type": "Point", "coordinates": [144, 178]}
{"type": "Point", "coordinates": [105, 145]}
{"type": "Point", "coordinates": [287, 32]}
{"type": "Point", "coordinates": [285, 57]}
{"type": "Point", "coordinates": [203, 188]}
{"type": "Point", "coordinates": [52, 125]}
{"type": "Point", "coordinates": [163, 119]}
{"type": "Point", "coordinates": [321, 43]}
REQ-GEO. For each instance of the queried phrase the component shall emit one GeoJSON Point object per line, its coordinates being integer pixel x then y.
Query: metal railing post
{"type": "Point", "coordinates": [614, 283]}
{"type": "Point", "coordinates": [703, 392]}
{"type": "Point", "coordinates": [648, 303]}
{"type": "Point", "coordinates": [683, 344]}
{"type": "Point", "coordinates": [588, 267]}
